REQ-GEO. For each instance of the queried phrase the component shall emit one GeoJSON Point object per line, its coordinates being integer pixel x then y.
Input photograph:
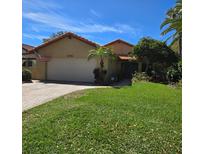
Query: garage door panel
{"type": "Point", "coordinates": [71, 69]}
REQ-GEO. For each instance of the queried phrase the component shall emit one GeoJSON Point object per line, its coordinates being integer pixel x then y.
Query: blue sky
{"type": "Point", "coordinates": [99, 21]}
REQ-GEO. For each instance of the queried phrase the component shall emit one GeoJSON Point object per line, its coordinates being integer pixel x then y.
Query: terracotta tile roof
{"type": "Point", "coordinates": [29, 56]}
{"type": "Point", "coordinates": [68, 34]}
{"type": "Point", "coordinates": [27, 47]}
{"type": "Point", "coordinates": [119, 41]}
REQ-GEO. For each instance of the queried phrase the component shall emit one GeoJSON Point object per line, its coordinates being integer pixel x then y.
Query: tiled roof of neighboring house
{"type": "Point", "coordinates": [119, 41]}
{"type": "Point", "coordinates": [27, 47]}
{"type": "Point", "coordinates": [68, 34]}
{"type": "Point", "coordinates": [27, 55]}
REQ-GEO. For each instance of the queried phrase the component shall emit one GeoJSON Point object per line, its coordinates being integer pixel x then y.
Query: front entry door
{"type": "Point", "coordinates": [128, 68]}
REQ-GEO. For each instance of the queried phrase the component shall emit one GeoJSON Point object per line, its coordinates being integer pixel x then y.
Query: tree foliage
{"type": "Point", "coordinates": [155, 51]}
{"type": "Point", "coordinates": [174, 72]}
{"type": "Point", "coordinates": [173, 23]}
{"type": "Point", "coordinates": [26, 74]}
{"type": "Point", "coordinates": [158, 56]}
{"type": "Point", "coordinates": [101, 53]}
{"type": "Point", "coordinates": [54, 35]}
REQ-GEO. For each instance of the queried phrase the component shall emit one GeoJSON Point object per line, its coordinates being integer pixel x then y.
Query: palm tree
{"type": "Point", "coordinates": [101, 53]}
{"type": "Point", "coordinates": [173, 21]}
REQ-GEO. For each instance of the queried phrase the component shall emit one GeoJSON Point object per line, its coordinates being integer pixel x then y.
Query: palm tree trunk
{"type": "Point", "coordinates": [101, 70]}
{"type": "Point", "coordinates": [180, 45]}
{"type": "Point", "coordinates": [101, 63]}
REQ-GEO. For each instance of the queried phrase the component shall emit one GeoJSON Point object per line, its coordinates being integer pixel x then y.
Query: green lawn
{"type": "Point", "coordinates": [143, 118]}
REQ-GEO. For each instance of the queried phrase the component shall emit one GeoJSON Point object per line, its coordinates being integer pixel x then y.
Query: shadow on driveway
{"type": "Point", "coordinates": [69, 82]}
{"type": "Point", "coordinates": [125, 82]}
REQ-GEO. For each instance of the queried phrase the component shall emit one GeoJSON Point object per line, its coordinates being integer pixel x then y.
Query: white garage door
{"type": "Point", "coordinates": [71, 69]}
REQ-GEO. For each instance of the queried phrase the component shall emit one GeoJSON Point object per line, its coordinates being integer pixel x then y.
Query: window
{"type": "Point", "coordinates": [24, 63]}
{"type": "Point", "coordinates": [28, 63]}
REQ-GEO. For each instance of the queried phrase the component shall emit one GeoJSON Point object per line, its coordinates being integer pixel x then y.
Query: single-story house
{"type": "Point", "coordinates": [65, 59]}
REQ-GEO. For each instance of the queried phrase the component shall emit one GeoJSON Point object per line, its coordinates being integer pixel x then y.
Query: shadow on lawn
{"type": "Point", "coordinates": [117, 85]}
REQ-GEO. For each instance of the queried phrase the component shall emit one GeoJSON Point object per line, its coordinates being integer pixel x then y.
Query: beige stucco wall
{"type": "Point", "coordinates": [38, 71]}
{"type": "Point", "coordinates": [64, 48]}
{"type": "Point", "coordinates": [120, 48]}
{"type": "Point", "coordinates": [105, 60]}
{"type": "Point", "coordinates": [114, 67]}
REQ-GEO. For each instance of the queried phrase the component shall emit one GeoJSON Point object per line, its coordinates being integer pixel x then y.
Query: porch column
{"type": "Point", "coordinates": [46, 69]}
{"type": "Point", "coordinates": [139, 67]}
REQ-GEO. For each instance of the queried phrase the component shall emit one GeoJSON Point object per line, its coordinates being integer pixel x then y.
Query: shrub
{"type": "Point", "coordinates": [179, 84]}
{"type": "Point", "coordinates": [140, 77]}
{"type": "Point", "coordinates": [174, 72]}
{"type": "Point", "coordinates": [96, 73]}
{"type": "Point", "coordinates": [26, 75]}
{"type": "Point", "coordinates": [99, 75]}
{"type": "Point", "coordinates": [158, 74]}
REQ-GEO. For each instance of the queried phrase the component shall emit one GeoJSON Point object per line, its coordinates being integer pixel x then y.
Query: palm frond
{"type": "Point", "coordinates": [173, 21]}
{"type": "Point", "coordinates": [92, 54]}
{"type": "Point", "coordinates": [168, 21]}
{"type": "Point", "coordinates": [100, 52]}
{"type": "Point", "coordinates": [167, 30]}
{"type": "Point", "coordinates": [170, 37]}
{"type": "Point", "coordinates": [174, 40]}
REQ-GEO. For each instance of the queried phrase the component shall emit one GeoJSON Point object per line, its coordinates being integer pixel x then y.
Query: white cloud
{"type": "Point", "coordinates": [50, 17]}
{"type": "Point", "coordinates": [93, 12]}
{"type": "Point", "coordinates": [34, 36]}
{"type": "Point", "coordinates": [53, 20]}
{"type": "Point", "coordinates": [39, 5]}
{"type": "Point", "coordinates": [47, 19]}
{"type": "Point", "coordinates": [128, 29]}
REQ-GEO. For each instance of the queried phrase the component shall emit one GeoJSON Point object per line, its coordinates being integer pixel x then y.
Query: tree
{"type": "Point", "coordinates": [159, 56]}
{"type": "Point", "coordinates": [155, 51]}
{"type": "Point", "coordinates": [174, 72]}
{"type": "Point", "coordinates": [101, 53]}
{"type": "Point", "coordinates": [175, 47]}
{"type": "Point", "coordinates": [54, 35]}
{"type": "Point", "coordinates": [173, 23]}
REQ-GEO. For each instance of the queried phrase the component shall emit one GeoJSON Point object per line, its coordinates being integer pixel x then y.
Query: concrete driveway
{"type": "Point", "coordinates": [38, 93]}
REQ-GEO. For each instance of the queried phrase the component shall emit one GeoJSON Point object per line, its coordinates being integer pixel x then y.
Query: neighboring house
{"type": "Point", "coordinates": [27, 57]}
{"type": "Point", "coordinates": [65, 59]}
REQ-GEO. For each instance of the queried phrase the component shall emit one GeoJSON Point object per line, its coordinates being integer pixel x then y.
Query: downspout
{"type": "Point", "coordinates": [46, 66]}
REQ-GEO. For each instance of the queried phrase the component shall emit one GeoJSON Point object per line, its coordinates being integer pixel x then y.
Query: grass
{"type": "Point", "coordinates": [144, 118]}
